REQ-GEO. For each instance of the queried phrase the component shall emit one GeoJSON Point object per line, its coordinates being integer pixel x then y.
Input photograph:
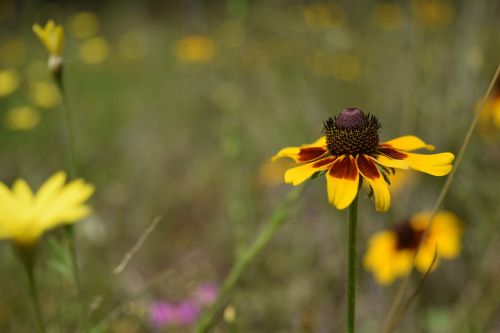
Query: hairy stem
{"type": "Point", "coordinates": [351, 272]}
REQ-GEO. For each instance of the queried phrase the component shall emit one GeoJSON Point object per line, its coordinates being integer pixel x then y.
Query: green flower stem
{"type": "Point", "coordinates": [70, 232]}
{"type": "Point", "coordinates": [27, 258]}
{"type": "Point", "coordinates": [210, 318]}
{"type": "Point", "coordinates": [70, 229]}
{"type": "Point", "coordinates": [69, 126]}
{"type": "Point", "coordinates": [351, 272]}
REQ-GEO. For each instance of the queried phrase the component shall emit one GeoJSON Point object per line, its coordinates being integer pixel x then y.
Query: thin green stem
{"type": "Point", "coordinates": [69, 127]}
{"type": "Point", "coordinates": [210, 318]}
{"type": "Point", "coordinates": [70, 230]}
{"type": "Point", "coordinates": [33, 291]}
{"type": "Point", "coordinates": [351, 272]}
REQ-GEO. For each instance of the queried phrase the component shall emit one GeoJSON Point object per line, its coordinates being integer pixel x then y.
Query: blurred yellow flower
{"type": "Point", "coordinates": [83, 25]}
{"type": "Point", "coordinates": [13, 51]}
{"type": "Point", "coordinates": [45, 95]}
{"type": "Point", "coordinates": [51, 36]}
{"type": "Point", "coordinates": [95, 50]}
{"type": "Point", "coordinates": [9, 81]}
{"type": "Point", "coordinates": [322, 16]}
{"type": "Point", "coordinates": [195, 49]}
{"type": "Point", "coordinates": [388, 16]}
{"type": "Point", "coordinates": [25, 216]}
{"type": "Point", "coordinates": [390, 253]}
{"type": "Point", "coordinates": [133, 45]}
{"type": "Point", "coordinates": [22, 118]}
{"type": "Point", "coordinates": [489, 120]}
{"type": "Point", "coordinates": [434, 13]}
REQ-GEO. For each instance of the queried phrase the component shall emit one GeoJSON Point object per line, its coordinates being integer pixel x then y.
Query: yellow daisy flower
{"type": "Point", "coordinates": [390, 253]}
{"type": "Point", "coordinates": [350, 151]}
{"type": "Point", "coordinates": [25, 216]}
{"type": "Point", "coordinates": [52, 37]}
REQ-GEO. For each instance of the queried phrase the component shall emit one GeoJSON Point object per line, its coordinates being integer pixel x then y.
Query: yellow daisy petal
{"type": "Point", "coordinates": [291, 152]}
{"type": "Point", "coordinates": [298, 175]}
{"type": "Point", "coordinates": [425, 256]}
{"type": "Point", "coordinates": [392, 163]}
{"type": "Point", "coordinates": [49, 190]}
{"type": "Point", "coordinates": [304, 153]}
{"type": "Point", "coordinates": [22, 192]}
{"type": "Point", "coordinates": [384, 260]}
{"type": "Point", "coordinates": [65, 203]}
{"type": "Point", "coordinates": [409, 143]}
{"type": "Point", "coordinates": [445, 231]}
{"type": "Point", "coordinates": [342, 181]}
{"type": "Point", "coordinates": [434, 164]}
{"type": "Point", "coordinates": [369, 171]}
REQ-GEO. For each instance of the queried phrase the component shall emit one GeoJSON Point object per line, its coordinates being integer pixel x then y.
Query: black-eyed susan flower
{"type": "Point", "coordinates": [52, 37]}
{"type": "Point", "coordinates": [390, 253]}
{"type": "Point", "coordinates": [26, 216]}
{"type": "Point", "coordinates": [350, 151]}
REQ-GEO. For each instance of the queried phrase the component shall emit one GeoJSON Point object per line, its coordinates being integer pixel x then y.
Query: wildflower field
{"type": "Point", "coordinates": [249, 166]}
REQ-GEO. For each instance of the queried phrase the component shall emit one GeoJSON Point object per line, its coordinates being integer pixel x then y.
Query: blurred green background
{"type": "Point", "coordinates": [179, 105]}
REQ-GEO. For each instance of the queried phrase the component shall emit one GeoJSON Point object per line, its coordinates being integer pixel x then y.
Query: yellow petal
{"type": "Point", "coordinates": [409, 143]}
{"type": "Point", "coordinates": [321, 142]}
{"type": "Point", "coordinates": [58, 40]}
{"type": "Point", "coordinates": [384, 260]}
{"type": "Point", "coordinates": [7, 219]}
{"type": "Point", "coordinates": [298, 175]}
{"type": "Point", "coordinates": [49, 190]}
{"type": "Point", "coordinates": [37, 29]}
{"type": "Point", "coordinates": [425, 256]}
{"type": "Point", "coordinates": [307, 154]}
{"type": "Point", "coordinates": [445, 231]}
{"type": "Point", "coordinates": [342, 182]}
{"type": "Point", "coordinates": [67, 206]}
{"type": "Point", "coordinates": [22, 192]}
{"type": "Point", "coordinates": [392, 163]}
{"type": "Point", "coordinates": [434, 164]}
{"type": "Point", "coordinates": [369, 171]}
{"type": "Point", "coordinates": [291, 152]}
